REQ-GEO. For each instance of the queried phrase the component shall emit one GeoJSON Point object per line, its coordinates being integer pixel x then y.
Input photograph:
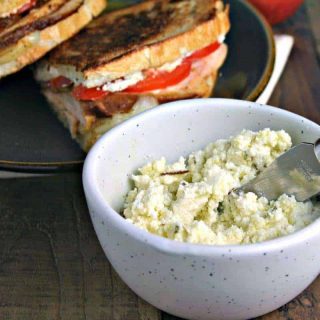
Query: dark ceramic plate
{"type": "Point", "coordinates": [33, 140]}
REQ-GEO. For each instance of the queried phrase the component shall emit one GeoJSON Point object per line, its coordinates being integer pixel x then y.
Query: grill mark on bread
{"type": "Point", "coordinates": [37, 25]}
{"type": "Point", "coordinates": [8, 22]}
{"type": "Point", "coordinates": [126, 34]}
{"type": "Point", "coordinates": [113, 35]}
{"type": "Point", "coordinates": [135, 29]}
{"type": "Point", "coordinates": [12, 19]}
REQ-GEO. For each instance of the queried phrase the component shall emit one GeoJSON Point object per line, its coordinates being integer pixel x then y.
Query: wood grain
{"type": "Point", "coordinates": [51, 264]}
{"type": "Point", "coordinates": [313, 9]}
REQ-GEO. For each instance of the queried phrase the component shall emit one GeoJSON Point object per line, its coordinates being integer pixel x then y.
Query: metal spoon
{"type": "Point", "coordinates": [296, 172]}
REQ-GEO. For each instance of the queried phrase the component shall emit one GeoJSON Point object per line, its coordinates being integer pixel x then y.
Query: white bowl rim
{"type": "Point", "coordinates": [174, 247]}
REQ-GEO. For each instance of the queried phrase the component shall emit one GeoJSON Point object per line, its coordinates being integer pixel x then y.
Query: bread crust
{"type": "Point", "coordinates": [33, 15]}
{"type": "Point", "coordinates": [24, 52]}
{"type": "Point", "coordinates": [115, 58]}
{"type": "Point", "coordinates": [9, 7]}
{"type": "Point", "coordinates": [156, 55]}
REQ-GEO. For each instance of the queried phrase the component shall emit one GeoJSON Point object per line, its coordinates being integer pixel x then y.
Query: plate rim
{"type": "Point", "coordinates": [41, 167]}
{"type": "Point", "coordinates": [76, 165]}
{"type": "Point", "coordinates": [267, 73]}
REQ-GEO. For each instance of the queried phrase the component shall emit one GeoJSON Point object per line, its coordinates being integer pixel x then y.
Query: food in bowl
{"type": "Point", "coordinates": [192, 200]}
{"type": "Point", "coordinates": [188, 280]}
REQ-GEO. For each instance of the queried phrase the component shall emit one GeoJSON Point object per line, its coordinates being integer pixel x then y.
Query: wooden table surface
{"type": "Point", "coordinates": [51, 264]}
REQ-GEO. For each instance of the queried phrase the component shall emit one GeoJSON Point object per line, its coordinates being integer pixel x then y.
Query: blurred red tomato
{"type": "Point", "coordinates": [277, 10]}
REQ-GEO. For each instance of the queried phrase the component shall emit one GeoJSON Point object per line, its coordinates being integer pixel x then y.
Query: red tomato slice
{"type": "Point", "coordinates": [88, 94]}
{"type": "Point", "coordinates": [60, 83]}
{"type": "Point", "coordinates": [161, 79]}
{"type": "Point", "coordinates": [154, 79]}
{"type": "Point", "coordinates": [27, 6]}
{"type": "Point", "coordinates": [199, 54]}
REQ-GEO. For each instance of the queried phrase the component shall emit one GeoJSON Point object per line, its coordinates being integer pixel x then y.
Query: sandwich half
{"type": "Point", "coordinates": [133, 59]}
{"type": "Point", "coordinates": [31, 28]}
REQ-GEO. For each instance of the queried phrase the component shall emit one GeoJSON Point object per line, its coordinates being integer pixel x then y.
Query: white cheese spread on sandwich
{"type": "Point", "coordinates": [121, 84]}
{"type": "Point", "coordinates": [134, 78]}
{"type": "Point", "coordinates": [110, 81]}
{"type": "Point", "coordinates": [170, 66]}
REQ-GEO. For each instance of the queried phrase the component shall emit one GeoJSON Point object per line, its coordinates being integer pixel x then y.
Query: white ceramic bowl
{"type": "Point", "coordinates": [188, 280]}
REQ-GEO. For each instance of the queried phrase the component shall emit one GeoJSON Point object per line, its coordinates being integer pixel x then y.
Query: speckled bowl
{"type": "Point", "coordinates": [187, 280]}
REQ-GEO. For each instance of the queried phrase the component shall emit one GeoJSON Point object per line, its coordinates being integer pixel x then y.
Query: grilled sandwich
{"type": "Point", "coordinates": [133, 59]}
{"type": "Point", "coordinates": [30, 28]}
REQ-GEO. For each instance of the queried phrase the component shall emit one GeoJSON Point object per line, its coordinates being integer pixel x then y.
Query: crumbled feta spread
{"type": "Point", "coordinates": [170, 66]}
{"type": "Point", "coordinates": [134, 78]}
{"type": "Point", "coordinates": [111, 82]}
{"type": "Point", "coordinates": [189, 200]}
{"type": "Point", "coordinates": [221, 38]}
{"type": "Point", "coordinates": [124, 83]}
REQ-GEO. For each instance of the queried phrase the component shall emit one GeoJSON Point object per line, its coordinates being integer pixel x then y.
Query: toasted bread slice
{"type": "Point", "coordinates": [140, 37]}
{"type": "Point", "coordinates": [70, 17]}
{"type": "Point", "coordinates": [43, 9]}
